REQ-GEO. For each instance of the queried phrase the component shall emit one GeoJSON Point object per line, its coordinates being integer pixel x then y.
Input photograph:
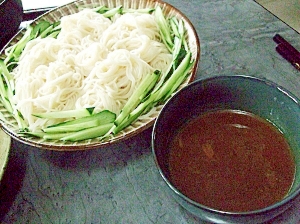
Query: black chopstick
{"type": "Point", "coordinates": [287, 51]}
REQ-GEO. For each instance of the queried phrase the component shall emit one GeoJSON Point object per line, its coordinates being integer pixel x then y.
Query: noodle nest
{"type": "Point", "coordinates": [93, 62]}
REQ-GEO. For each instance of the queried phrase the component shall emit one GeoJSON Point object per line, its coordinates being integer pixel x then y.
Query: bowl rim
{"type": "Point", "coordinates": [290, 198]}
{"type": "Point", "coordinates": [167, 7]}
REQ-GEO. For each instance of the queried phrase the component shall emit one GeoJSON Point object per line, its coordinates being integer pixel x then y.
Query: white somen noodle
{"type": "Point", "coordinates": [94, 62]}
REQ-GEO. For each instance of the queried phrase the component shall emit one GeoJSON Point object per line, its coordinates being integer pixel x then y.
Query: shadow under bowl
{"type": "Point", "coordinates": [263, 98]}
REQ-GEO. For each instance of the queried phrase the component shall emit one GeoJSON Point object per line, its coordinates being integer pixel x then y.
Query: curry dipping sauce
{"type": "Point", "coordinates": [231, 160]}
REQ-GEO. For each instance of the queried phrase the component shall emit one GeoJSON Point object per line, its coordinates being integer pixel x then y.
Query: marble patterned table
{"type": "Point", "coordinates": [120, 184]}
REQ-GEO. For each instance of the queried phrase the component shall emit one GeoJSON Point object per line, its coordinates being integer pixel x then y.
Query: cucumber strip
{"type": "Point", "coordinates": [160, 94]}
{"type": "Point", "coordinates": [5, 71]}
{"type": "Point", "coordinates": [185, 45]}
{"type": "Point", "coordinates": [145, 10]}
{"type": "Point", "coordinates": [88, 133]}
{"type": "Point", "coordinates": [54, 33]}
{"type": "Point", "coordinates": [72, 127]}
{"type": "Point", "coordinates": [100, 118]}
{"type": "Point", "coordinates": [111, 12]}
{"type": "Point", "coordinates": [19, 118]}
{"type": "Point", "coordinates": [13, 53]}
{"type": "Point", "coordinates": [39, 28]}
{"type": "Point", "coordinates": [42, 29]}
{"type": "Point", "coordinates": [8, 80]}
{"type": "Point", "coordinates": [100, 9]}
{"type": "Point", "coordinates": [164, 28]}
{"type": "Point", "coordinates": [93, 126]}
{"type": "Point", "coordinates": [66, 113]}
{"type": "Point", "coordinates": [46, 32]}
{"type": "Point", "coordinates": [3, 92]}
{"type": "Point", "coordinates": [47, 136]}
{"type": "Point", "coordinates": [178, 48]}
{"type": "Point", "coordinates": [140, 109]}
{"type": "Point", "coordinates": [177, 52]}
{"type": "Point", "coordinates": [54, 27]}
{"type": "Point", "coordinates": [84, 134]}
{"type": "Point", "coordinates": [178, 82]}
{"type": "Point", "coordinates": [54, 136]}
{"type": "Point", "coordinates": [126, 122]}
{"type": "Point", "coordinates": [174, 23]}
{"type": "Point", "coordinates": [143, 89]}
{"type": "Point", "coordinates": [4, 95]}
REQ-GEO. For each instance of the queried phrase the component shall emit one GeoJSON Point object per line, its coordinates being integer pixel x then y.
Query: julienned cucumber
{"type": "Point", "coordinates": [84, 134]}
{"type": "Point", "coordinates": [77, 113]}
{"type": "Point", "coordinates": [143, 89]}
{"type": "Point", "coordinates": [93, 120]}
{"type": "Point", "coordinates": [89, 133]}
{"type": "Point", "coordinates": [79, 129]}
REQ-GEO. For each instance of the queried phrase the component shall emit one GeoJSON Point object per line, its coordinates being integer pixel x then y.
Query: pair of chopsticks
{"type": "Point", "coordinates": [287, 51]}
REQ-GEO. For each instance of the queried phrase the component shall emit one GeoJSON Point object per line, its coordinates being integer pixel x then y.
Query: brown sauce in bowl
{"type": "Point", "coordinates": [232, 161]}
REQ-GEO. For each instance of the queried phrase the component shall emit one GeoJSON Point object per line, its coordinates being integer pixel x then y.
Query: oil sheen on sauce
{"type": "Point", "coordinates": [231, 160]}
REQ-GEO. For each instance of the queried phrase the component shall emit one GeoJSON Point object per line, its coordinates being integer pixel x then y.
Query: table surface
{"type": "Point", "coordinates": [120, 183]}
{"type": "Point", "coordinates": [287, 10]}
